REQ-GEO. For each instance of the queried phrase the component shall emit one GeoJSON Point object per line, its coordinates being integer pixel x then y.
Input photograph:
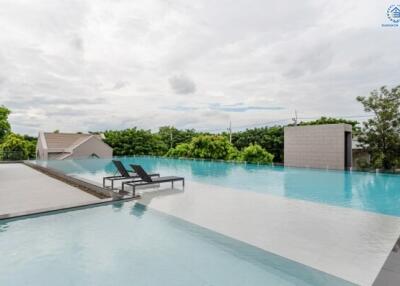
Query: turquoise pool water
{"type": "Point", "coordinates": [378, 193]}
{"type": "Point", "coordinates": [127, 244]}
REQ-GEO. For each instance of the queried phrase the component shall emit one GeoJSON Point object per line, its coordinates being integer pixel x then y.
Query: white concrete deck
{"type": "Point", "coordinates": [25, 190]}
{"type": "Point", "coordinates": [349, 244]}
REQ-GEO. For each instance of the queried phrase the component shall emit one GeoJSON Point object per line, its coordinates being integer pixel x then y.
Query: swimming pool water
{"type": "Point", "coordinates": [127, 244]}
{"type": "Point", "coordinates": [378, 193]}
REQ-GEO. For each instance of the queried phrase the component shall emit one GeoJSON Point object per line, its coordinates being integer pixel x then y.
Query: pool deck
{"type": "Point", "coordinates": [347, 243]}
{"type": "Point", "coordinates": [24, 190]}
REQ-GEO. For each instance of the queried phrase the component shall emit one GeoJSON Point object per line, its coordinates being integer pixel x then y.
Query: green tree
{"type": "Point", "coordinates": [5, 127]}
{"type": "Point", "coordinates": [210, 147]}
{"type": "Point", "coordinates": [254, 153]}
{"type": "Point", "coordinates": [269, 138]}
{"type": "Point", "coordinates": [381, 134]}
{"type": "Point", "coordinates": [31, 145]}
{"type": "Point", "coordinates": [205, 147]}
{"type": "Point", "coordinates": [15, 147]}
{"type": "Point", "coordinates": [182, 150]}
{"type": "Point", "coordinates": [172, 136]}
{"type": "Point", "coordinates": [135, 141]}
{"type": "Point", "coordinates": [233, 154]}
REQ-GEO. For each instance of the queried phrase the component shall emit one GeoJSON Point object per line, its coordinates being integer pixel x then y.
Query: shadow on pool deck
{"type": "Point", "coordinates": [390, 272]}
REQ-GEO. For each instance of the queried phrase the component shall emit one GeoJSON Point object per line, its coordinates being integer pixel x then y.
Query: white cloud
{"type": "Point", "coordinates": [87, 65]}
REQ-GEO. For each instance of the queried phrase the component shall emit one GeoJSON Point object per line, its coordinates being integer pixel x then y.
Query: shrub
{"type": "Point", "coordinates": [15, 147]}
{"type": "Point", "coordinates": [256, 154]}
{"type": "Point", "coordinates": [206, 147]}
{"type": "Point", "coordinates": [234, 154]}
{"type": "Point", "coordinates": [363, 164]}
{"type": "Point", "coordinates": [210, 147]}
{"type": "Point", "coordinates": [269, 138]}
{"type": "Point", "coordinates": [181, 150]}
{"type": "Point", "coordinates": [218, 148]}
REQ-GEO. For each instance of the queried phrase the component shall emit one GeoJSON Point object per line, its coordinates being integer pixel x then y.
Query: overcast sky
{"type": "Point", "coordinates": [101, 64]}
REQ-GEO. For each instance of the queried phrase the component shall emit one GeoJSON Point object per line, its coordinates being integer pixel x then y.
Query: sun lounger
{"type": "Point", "coordinates": [124, 174]}
{"type": "Point", "coordinates": [146, 179]}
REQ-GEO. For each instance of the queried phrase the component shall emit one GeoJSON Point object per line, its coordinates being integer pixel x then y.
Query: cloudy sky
{"type": "Point", "coordinates": [94, 65]}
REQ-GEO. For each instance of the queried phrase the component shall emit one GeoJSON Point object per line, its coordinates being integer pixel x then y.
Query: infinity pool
{"type": "Point", "coordinates": [127, 244]}
{"type": "Point", "coordinates": [378, 193]}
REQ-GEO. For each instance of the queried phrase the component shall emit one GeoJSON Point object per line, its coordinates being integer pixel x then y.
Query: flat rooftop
{"type": "Point", "coordinates": [347, 243]}
{"type": "Point", "coordinates": [24, 190]}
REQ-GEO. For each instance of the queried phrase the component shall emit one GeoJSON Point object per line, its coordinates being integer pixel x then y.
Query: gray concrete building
{"type": "Point", "coordinates": [60, 146]}
{"type": "Point", "coordinates": [318, 146]}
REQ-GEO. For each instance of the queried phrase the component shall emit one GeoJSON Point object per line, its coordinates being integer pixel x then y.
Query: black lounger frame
{"type": "Point", "coordinates": [146, 179]}
{"type": "Point", "coordinates": [125, 175]}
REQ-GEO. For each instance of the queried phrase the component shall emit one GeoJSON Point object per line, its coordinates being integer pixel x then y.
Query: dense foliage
{"type": "Point", "coordinates": [205, 147]}
{"type": "Point", "coordinates": [269, 138]}
{"type": "Point", "coordinates": [13, 146]}
{"type": "Point", "coordinates": [172, 136]}
{"type": "Point", "coordinates": [135, 141]}
{"type": "Point", "coordinates": [31, 145]}
{"type": "Point", "coordinates": [182, 150]}
{"type": "Point", "coordinates": [5, 127]}
{"type": "Point", "coordinates": [210, 147]}
{"type": "Point", "coordinates": [381, 134]}
{"type": "Point", "coordinates": [218, 147]}
{"type": "Point", "coordinates": [256, 154]}
{"type": "Point", "coordinates": [173, 142]}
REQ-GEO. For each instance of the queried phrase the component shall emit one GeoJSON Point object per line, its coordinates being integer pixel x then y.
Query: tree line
{"type": "Point", "coordinates": [256, 145]}
{"type": "Point", "coordinates": [380, 136]}
{"type": "Point", "coordinates": [172, 142]}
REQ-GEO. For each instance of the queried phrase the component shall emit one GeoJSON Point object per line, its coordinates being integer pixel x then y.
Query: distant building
{"type": "Point", "coordinates": [318, 146]}
{"type": "Point", "coordinates": [60, 146]}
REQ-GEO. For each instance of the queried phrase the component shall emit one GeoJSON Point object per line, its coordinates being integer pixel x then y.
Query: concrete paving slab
{"type": "Point", "coordinates": [347, 243]}
{"type": "Point", "coordinates": [24, 190]}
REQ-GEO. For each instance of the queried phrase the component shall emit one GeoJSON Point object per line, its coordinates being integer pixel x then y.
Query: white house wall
{"type": "Point", "coordinates": [41, 148]}
{"type": "Point", "coordinates": [92, 146]}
